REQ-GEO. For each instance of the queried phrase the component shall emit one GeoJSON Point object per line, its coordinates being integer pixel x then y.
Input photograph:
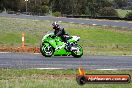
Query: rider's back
{"type": "Point", "coordinates": [60, 32]}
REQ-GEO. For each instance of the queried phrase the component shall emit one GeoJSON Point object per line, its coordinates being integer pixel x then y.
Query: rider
{"type": "Point", "coordinates": [60, 32]}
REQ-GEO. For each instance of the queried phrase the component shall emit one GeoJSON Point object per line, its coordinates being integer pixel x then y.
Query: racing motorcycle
{"type": "Point", "coordinates": [53, 45]}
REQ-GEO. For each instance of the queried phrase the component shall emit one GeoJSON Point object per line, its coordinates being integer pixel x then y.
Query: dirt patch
{"type": "Point", "coordinates": [30, 49]}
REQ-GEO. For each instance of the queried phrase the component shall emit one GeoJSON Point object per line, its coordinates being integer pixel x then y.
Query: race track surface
{"type": "Point", "coordinates": [26, 60]}
{"type": "Point", "coordinates": [126, 24]}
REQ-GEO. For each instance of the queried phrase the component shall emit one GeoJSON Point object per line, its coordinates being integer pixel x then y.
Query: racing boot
{"type": "Point", "coordinates": [68, 46]}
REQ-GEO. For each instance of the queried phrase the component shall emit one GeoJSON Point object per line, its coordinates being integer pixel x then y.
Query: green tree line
{"type": "Point", "coordinates": [64, 7]}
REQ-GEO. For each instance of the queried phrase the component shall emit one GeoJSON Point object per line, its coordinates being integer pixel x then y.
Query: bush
{"type": "Point", "coordinates": [107, 11]}
{"type": "Point", "coordinates": [129, 15]}
{"type": "Point", "coordinates": [57, 14]}
{"type": "Point", "coordinates": [45, 9]}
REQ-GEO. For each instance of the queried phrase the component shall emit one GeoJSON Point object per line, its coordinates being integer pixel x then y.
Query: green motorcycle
{"type": "Point", "coordinates": [55, 46]}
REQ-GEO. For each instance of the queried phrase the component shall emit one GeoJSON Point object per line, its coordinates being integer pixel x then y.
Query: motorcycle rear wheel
{"type": "Point", "coordinates": [46, 51]}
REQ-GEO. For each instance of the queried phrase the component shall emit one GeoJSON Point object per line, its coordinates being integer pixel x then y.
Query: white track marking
{"type": "Point", "coordinates": [113, 69]}
{"type": "Point", "coordinates": [46, 68]}
{"type": "Point", "coordinates": [129, 22]}
{"type": "Point", "coordinates": [36, 53]}
{"type": "Point", "coordinates": [5, 52]}
{"type": "Point", "coordinates": [106, 69]}
{"type": "Point", "coordinates": [94, 24]}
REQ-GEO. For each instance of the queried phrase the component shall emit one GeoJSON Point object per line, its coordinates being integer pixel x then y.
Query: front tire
{"type": "Point", "coordinates": [78, 53]}
{"type": "Point", "coordinates": [46, 50]}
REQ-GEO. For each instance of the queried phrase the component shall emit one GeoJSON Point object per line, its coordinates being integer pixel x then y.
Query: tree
{"type": "Point", "coordinates": [45, 9]}
{"type": "Point", "coordinates": [74, 7]}
{"type": "Point", "coordinates": [129, 15]}
{"type": "Point", "coordinates": [120, 3]}
{"type": "Point", "coordinates": [38, 7]}
{"type": "Point", "coordinates": [93, 7]}
{"type": "Point", "coordinates": [69, 7]}
{"type": "Point", "coordinates": [108, 11]}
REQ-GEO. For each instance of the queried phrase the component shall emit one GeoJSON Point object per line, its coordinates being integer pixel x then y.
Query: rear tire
{"type": "Point", "coordinates": [78, 53]}
{"type": "Point", "coordinates": [46, 51]}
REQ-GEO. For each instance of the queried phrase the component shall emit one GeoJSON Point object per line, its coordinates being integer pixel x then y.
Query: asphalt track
{"type": "Point", "coordinates": [126, 24]}
{"type": "Point", "coordinates": [26, 60]}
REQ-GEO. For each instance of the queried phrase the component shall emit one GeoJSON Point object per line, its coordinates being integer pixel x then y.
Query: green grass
{"type": "Point", "coordinates": [9, 73]}
{"type": "Point", "coordinates": [11, 29]}
{"type": "Point", "coordinates": [55, 83]}
{"type": "Point", "coordinates": [31, 78]}
{"type": "Point", "coordinates": [122, 13]}
{"type": "Point", "coordinates": [96, 40]}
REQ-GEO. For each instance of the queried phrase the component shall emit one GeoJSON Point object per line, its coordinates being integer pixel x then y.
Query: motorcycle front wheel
{"type": "Point", "coordinates": [77, 53]}
{"type": "Point", "coordinates": [46, 50]}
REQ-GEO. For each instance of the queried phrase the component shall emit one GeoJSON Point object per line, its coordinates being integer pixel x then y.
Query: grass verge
{"type": "Point", "coordinates": [122, 13]}
{"type": "Point", "coordinates": [95, 40]}
{"type": "Point", "coordinates": [31, 78]}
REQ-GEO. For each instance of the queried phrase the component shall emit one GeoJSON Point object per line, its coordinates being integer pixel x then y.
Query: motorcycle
{"type": "Point", "coordinates": [53, 45]}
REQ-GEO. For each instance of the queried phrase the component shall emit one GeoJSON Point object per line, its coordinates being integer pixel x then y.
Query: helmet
{"type": "Point", "coordinates": [55, 25]}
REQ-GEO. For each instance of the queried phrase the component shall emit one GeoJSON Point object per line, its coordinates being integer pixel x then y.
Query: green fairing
{"type": "Point", "coordinates": [61, 52]}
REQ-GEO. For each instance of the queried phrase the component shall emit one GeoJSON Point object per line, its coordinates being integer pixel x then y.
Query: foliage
{"type": "Point", "coordinates": [9, 4]}
{"type": "Point", "coordinates": [65, 7]}
{"type": "Point", "coordinates": [122, 13]}
{"type": "Point", "coordinates": [57, 14]}
{"type": "Point", "coordinates": [96, 7]}
{"type": "Point", "coordinates": [120, 3]}
{"type": "Point", "coordinates": [45, 9]}
{"type": "Point", "coordinates": [108, 11]}
{"type": "Point", "coordinates": [129, 15]}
